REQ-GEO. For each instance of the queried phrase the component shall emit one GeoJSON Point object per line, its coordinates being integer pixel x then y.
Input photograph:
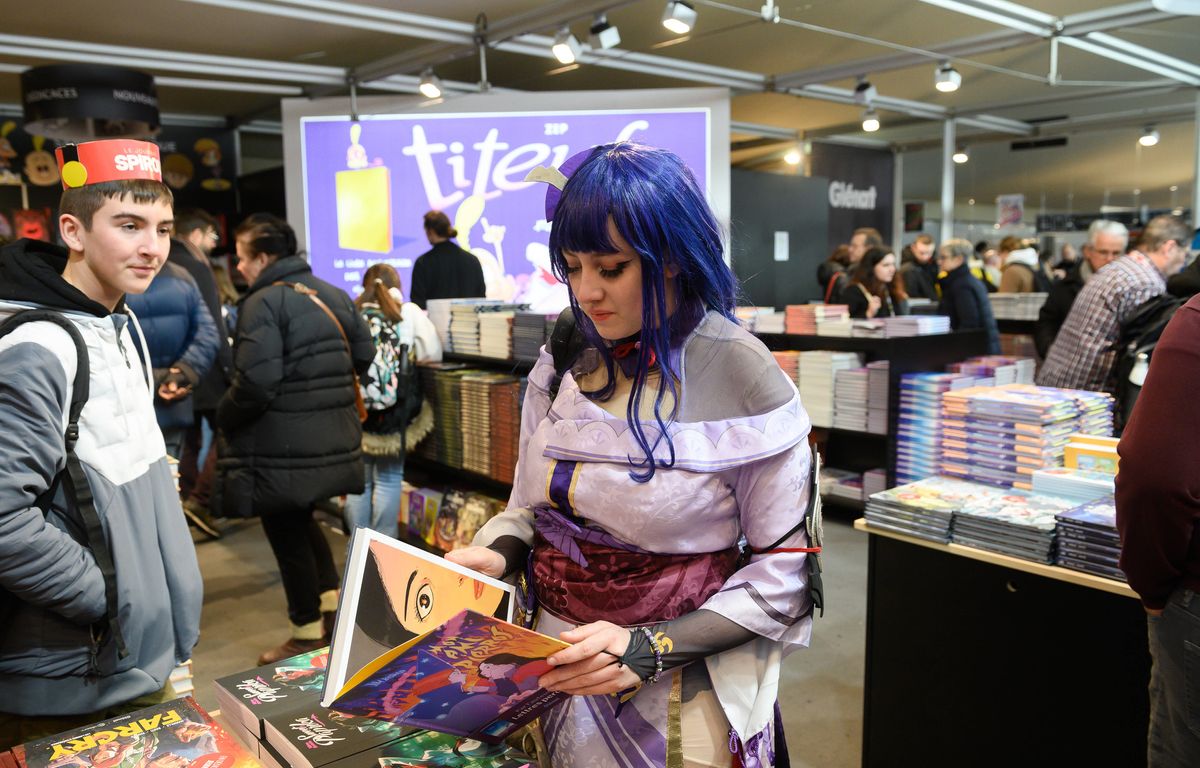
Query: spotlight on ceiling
{"type": "Point", "coordinates": [679, 17]}
{"type": "Point", "coordinates": [566, 48]}
{"type": "Point", "coordinates": [870, 122]}
{"type": "Point", "coordinates": [864, 92]}
{"type": "Point", "coordinates": [1149, 136]}
{"type": "Point", "coordinates": [602, 34]}
{"type": "Point", "coordinates": [960, 155]}
{"type": "Point", "coordinates": [792, 157]}
{"type": "Point", "coordinates": [431, 85]}
{"type": "Point", "coordinates": [947, 79]}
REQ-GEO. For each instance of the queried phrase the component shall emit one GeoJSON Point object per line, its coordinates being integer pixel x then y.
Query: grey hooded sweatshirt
{"type": "Point", "coordinates": [55, 658]}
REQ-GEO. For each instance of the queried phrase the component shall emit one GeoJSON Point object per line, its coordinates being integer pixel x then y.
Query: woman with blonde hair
{"type": "Point", "coordinates": [397, 417]}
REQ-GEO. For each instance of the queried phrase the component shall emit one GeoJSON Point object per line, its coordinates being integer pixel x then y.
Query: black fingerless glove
{"type": "Point", "coordinates": [671, 644]}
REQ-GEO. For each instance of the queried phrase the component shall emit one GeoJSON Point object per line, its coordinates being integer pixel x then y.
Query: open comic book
{"type": "Point", "coordinates": [473, 676]}
{"type": "Point", "coordinates": [392, 593]}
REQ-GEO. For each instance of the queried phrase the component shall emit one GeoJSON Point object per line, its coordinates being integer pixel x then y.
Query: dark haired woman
{"type": "Point", "coordinates": [289, 424]}
{"type": "Point", "coordinates": [673, 437]}
{"type": "Point", "coordinates": [445, 271]}
{"type": "Point", "coordinates": [397, 417]}
{"type": "Point", "coordinates": [873, 290]}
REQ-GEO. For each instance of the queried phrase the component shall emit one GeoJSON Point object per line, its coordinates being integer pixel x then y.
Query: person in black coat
{"type": "Point", "coordinates": [964, 298]}
{"type": "Point", "coordinates": [445, 271]}
{"type": "Point", "coordinates": [289, 425]}
{"type": "Point", "coordinates": [875, 290]}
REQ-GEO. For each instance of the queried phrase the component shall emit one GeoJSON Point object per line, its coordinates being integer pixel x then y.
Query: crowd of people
{"type": "Point", "coordinates": [129, 343]}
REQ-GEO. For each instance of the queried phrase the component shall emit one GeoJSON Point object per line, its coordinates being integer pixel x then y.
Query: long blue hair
{"type": "Point", "coordinates": [656, 205]}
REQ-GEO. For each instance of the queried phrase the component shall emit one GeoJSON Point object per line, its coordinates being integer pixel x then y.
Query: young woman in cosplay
{"type": "Point", "coordinates": [672, 437]}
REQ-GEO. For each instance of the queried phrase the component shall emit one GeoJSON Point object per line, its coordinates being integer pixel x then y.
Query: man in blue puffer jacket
{"type": "Point", "coordinates": [182, 339]}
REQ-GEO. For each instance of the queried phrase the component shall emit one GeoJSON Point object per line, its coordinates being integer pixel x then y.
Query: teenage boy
{"type": "Point", "coordinates": [91, 622]}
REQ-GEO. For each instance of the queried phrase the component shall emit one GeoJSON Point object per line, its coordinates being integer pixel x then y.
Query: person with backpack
{"type": "Point", "coordinates": [290, 426]}
{"type": "Point", "coordinates": [1158, 504]}
{"type": "Point", "coordinates": [1023, 273]}
{"type": "Point", "coordinates": [1106, 242]}
{"type": "Point", "coordinates": [100, 591]}
{"type": "Point", "coordinates": [1082, 355]}
{"type": "Point", "coordinates": [397, 416]}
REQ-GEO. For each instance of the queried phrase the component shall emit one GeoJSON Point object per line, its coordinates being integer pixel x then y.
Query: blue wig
{"type": "Point", "coordinates": [658, 208]}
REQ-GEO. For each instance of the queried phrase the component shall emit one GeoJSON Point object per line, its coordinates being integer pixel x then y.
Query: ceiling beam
{"type": "Point", "coordinates": [999, 40]}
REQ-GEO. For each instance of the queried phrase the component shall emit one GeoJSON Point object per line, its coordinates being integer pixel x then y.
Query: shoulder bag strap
{"type": "Point", "coordinates": [304, 290]}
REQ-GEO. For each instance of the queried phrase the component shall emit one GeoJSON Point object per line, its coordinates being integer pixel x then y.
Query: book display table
{"type": "Point", "coordinates": [977, 658]}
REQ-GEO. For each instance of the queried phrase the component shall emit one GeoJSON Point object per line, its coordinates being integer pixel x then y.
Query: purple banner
{"type": "Point", "coordinates": [368, 184]}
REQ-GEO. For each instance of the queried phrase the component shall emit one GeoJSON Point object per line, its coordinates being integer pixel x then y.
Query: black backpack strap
{"type": "Point", "coordinates": [811, 522]}
{"type": "Point", "coordinates": [566, 342]}
{"type": "Point", "coordinates": [78, 489]}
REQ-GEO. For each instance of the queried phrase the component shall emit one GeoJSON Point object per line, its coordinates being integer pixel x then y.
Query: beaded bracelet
{"type": "Point", "coordinates": [658, 654]}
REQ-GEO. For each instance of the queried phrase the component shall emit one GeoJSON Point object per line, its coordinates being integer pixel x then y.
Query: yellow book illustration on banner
{"type": "Point", "coordinates": [364, 202]}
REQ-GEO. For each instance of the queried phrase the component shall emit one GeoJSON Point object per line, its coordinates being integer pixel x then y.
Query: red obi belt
{"type": "Point", "coordinates": [584, 574]}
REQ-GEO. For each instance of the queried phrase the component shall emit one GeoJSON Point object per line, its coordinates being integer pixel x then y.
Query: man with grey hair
{"type": "Point", "coordinates": [1106, 242]}
{"type": "Point", "coordinates": [1082, 355]}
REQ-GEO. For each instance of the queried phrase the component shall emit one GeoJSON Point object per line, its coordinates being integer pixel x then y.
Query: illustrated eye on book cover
{"type": "Point", "coordinates": [473, 676]}
{"type": "Point", "coordinates": [176, 734]}
{"type": "Point", "coordinates": [393, 593]}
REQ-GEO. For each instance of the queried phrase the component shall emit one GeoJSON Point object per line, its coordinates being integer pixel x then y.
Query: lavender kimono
{"type": "Point", "coordinates": [742, 469]}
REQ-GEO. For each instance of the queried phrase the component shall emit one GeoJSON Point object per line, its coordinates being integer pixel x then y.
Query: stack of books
{"type": "Point", "coordinates": [841, 484]}
{"type": "Point", "coordinates": [476, 410]}
{"type": "Point", "coordinates": [464, 322]}
{"type": "Point", "coordinates": [837, 326]}
{"type": "Point", "coordinates": [807, 319]}
{"type": "Point", "coordinates": [996, 370]}
{"type": "Point", "coordinates": [441, 386]}
{"type": "Point", "coordinates": [919, 423]}
{"type": "Point", "coordinates": [1078, 485]}
{"type": "Point", "coordinates": [817, 372]}
{"type": "Point", "coordinates": [529, 334]}
{"type": "Point", "coordinates": [772, 323]}
{"type": "Point", "coordinates": [505, 397]}
{"type": "Point", "coordinates": [440, 315]}
{"type": "Point", "coordinates": [877, 397]}
{"type": "Point", "coordinates": [874, 481]}
{"type": "Point", "coordinates": [748, 317]}
{"type": "Point", "coordinates": [850, 399]}
{"type": "Point", "coordinates": [790, 363]}
{"type": "Point", "coordinates": [924, 509]}
{"type": "Point", "coordinates": [1012, 523]}
{"type": "Point", "coordinates": [276, 713]}
{"type": "Point", "coordinates": [496, 334]}
{"type": "Point", "coordinates": [1088, 539]}
{"type": "Point", "coordinates": [1092, 452]}
{"type": "Point", "coordinates": [1017, 306]}
{"type": "Point", "coordinates": [1000, 435]}
{"type": "Point", "coordinates": [915, 325]}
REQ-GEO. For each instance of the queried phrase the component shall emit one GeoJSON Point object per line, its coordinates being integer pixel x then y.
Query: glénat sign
{"type": "Point", "coordinates": [860, 189]}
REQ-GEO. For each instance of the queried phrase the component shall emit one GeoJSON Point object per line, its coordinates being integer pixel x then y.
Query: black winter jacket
{"type": "Point", "coordinates": [290, 433]}
{"type": "Point", "coordinates": [965, 301]}
{"type": "Point", "coordinates": [1058, 305]}
{"type": "Point", "coordinates": [920, 280]}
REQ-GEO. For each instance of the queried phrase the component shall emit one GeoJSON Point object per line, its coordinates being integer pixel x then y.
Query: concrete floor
{"type": "Point", "coordinates": [821, 690]}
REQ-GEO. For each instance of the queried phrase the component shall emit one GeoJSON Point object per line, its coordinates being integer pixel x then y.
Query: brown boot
{"type": "Point", "coordinates": [291, 647]}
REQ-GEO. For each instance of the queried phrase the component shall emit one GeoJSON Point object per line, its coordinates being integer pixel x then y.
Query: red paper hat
{"type": "Point", "coordinates": [110, 160]}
